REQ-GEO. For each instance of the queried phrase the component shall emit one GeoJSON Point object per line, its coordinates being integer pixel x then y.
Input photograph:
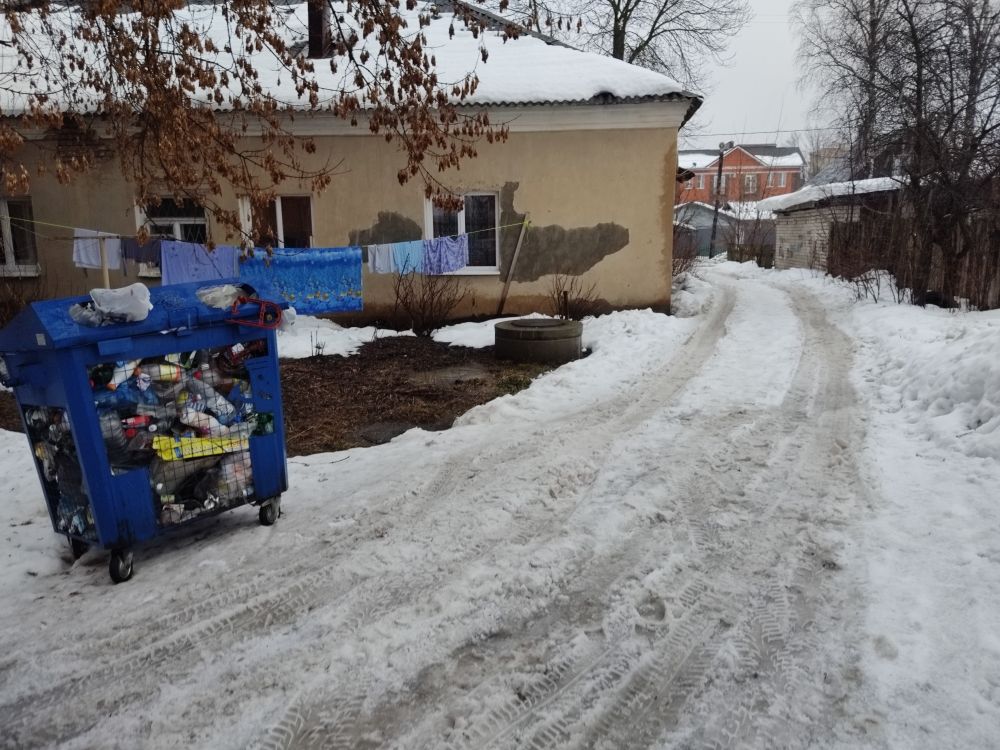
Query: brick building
{"type": "Point", "coordinates": [750, 172]}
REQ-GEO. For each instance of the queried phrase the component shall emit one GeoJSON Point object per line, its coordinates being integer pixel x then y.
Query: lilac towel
{"type": "Point", "coordinates": [446, 254]}
{"type": "Point", "coordinates": [184, 262]}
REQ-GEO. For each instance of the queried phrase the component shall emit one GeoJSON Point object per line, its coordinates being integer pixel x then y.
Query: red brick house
{"type": "Point", "coordinates": [750, 171]}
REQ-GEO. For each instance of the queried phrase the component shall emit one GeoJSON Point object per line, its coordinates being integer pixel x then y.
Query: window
{"type": "Point", "coordinates": [18, 253]}
{"type": "Point", "coordinates": [182, 220]}
{"type": "Point", "coordinates": [715, 182]}
{"type": "Point", "coordinates": [776, 178]}
{"type": "Point", "coordinates": [289, 222]}
{"type": "Point", "coordinates": [479, 219]}
{"type": "Point", "coordinates": [701, 182]}
{"type": "Point", "coordinates": [750, 183]}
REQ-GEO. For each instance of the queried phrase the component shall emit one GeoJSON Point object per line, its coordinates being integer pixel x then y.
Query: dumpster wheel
{"type": "Point", "coordinates": [120, 565]}
{"type": "Point", "coordinates": [269, 511]}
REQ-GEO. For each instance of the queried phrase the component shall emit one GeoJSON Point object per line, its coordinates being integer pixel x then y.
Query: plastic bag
{"type": "Point", "coordinates": [128, 304]}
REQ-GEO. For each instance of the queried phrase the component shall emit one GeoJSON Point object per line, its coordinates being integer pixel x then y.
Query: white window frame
{"type": "Point", "coordinates": [701, 181]}
{"type": "Point", "coordinates": [468, 270]}
{"type": "Point", "coordinates": [246, 217]}
{"type": "Point", "coordinates": [10, 268]}
{"type": "Point", "coordinates": [150, 270]}
{"type": "Point", "coordinates": [750, 182]}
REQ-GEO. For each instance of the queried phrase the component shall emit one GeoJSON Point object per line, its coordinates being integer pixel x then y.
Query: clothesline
{"type": "Point", "coordinates": [112, 236]}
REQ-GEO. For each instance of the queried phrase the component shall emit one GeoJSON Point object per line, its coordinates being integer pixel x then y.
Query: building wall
{"type": "Point", "coordinates": [736, 165]}
{"type": "Point", "coordinates": [802, 238]}
{"type": "Point", "coordinates": [599, 204]}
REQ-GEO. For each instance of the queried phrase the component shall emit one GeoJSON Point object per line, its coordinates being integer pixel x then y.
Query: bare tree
{"type": "Point", "coordinates": [920, 83]}
{"type": "Point", "coordinates": [671, 36]}
{"type": "Point", "coordinates": [175, 89]}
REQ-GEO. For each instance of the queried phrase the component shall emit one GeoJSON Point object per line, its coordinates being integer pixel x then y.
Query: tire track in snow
{"type": "Point", "coordinates": [648, 699]}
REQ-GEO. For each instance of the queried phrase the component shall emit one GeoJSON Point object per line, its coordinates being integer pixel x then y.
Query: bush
{"type": "Point", "coordinates": [426, 302]}
{"type": "Point", "coordinates": [570, 299]}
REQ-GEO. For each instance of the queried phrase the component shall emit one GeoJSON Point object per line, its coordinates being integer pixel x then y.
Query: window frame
{"type": "Point", "coordinates": [493, 270]}
{"type": "Point", "coordinates": [279, 221]}
{"type": "Point", "coordinates": [750, 182]}
{"type": "Point", "coordinates": [9, 267]}
{"type": "Point", "coordinates": [701, 181]}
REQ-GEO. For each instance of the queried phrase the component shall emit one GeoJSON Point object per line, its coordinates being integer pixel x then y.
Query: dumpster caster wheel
{"type": "Point", "coordinates": [120, 565]}
{"type": "Point", "coordinates": [79, 548]}
{"type": "Point", "coordinates": [269, 512]}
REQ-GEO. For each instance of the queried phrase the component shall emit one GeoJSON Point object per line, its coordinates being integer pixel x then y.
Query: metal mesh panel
{"type": "Point", "coordinates": [188, 417]}
{"type": "Point", "coordinates": [62, 478]}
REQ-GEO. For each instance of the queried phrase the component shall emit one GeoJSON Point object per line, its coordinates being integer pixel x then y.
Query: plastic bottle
{"type": "Point", "coordinates": [162, 372]}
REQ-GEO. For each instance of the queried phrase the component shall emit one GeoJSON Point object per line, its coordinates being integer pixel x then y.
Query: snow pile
{"type": "Point", "coordinates": [311, 336]}
{"type": "Point", "coordinates": [941, 369]}
{"type": "Point", "coordinates": [474, 335]}
{"type": "Point", "coordinates": [815, 193]}
{"type": "Point", "coordinates": [624, 346]}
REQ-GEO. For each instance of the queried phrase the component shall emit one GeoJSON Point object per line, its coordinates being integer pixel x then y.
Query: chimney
{"type": "Point", "coordinates": [320, 34]}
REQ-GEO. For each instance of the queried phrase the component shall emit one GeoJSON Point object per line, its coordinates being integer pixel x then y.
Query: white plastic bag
{"type": "Point", "coordinates": [128, 304]}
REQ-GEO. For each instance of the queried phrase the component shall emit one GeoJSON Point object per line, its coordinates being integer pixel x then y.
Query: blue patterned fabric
{"type": "Point", "coordinates": [313, 280]}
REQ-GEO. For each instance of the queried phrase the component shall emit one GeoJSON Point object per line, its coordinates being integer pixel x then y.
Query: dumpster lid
{"type": "Point", "coordinates": [47, 324]}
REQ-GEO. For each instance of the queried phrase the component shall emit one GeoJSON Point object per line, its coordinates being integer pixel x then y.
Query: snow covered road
{"type": "Point", "coordinates": [652, 547]}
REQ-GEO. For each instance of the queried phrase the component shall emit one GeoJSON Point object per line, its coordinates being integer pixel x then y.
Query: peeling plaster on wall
{"type": "Point", "coordinates": [390, 227]}
{"type": "Point", "coordinates": [553, 249]}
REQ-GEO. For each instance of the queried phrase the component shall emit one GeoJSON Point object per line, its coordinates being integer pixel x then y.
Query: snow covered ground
{"type": "Point", "coordinates": [771, 523]}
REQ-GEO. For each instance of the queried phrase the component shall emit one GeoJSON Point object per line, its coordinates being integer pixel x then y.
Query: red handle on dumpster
{"type": "Point", "coordinates": [268, 313]}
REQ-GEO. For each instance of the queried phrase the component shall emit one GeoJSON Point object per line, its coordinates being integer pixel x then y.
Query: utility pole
{"type": "Point", "coordinates": [723, 147]}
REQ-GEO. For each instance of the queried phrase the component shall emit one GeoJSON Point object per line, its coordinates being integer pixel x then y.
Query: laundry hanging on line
{"type": "Point", "coordinates": [446, 254]}
{"type": "Point", "coordinates": [380, 259]}
{"type": "Point", "coordinates": [408, 256]}
{"type": "Point", "coordinates": [313, 280]}
{"type": "Point", "coordinates": [147, 253]}
{"type": "Point", "coordinates": [184, 262]}
{"type": "Point", "coordinates": [435, 256]}
{"type": "Point", "coordinates": [87, 249]}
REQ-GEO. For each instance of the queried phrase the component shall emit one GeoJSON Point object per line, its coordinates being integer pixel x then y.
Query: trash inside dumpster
{"type": "Point", "coordinates": [137, 427]}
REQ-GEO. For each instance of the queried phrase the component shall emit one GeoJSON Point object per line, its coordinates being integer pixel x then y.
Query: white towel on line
{"type": "Point", "coordinates": [87, 249]}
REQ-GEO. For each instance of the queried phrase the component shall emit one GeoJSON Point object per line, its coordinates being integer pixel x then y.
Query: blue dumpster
{"type": "Point", "coordinates": [138, 428]}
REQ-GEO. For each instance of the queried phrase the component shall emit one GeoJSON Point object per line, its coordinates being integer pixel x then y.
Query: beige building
{"type": "Point", "coordinates": [590, 164]}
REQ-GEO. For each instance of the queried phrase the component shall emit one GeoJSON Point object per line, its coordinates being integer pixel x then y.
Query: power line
{"type": "Point", "coordinates": [694, 136]}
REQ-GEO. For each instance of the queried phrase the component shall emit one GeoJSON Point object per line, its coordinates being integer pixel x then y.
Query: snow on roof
{"type": "Point", "coordinates": [750, 210]}
{"type": "Point", "coordinates": [816, 193]}
{"type": "Point", "coordinates": [787, 160]}
{"type": "Point", "coordinates": [696, 159]}
{"type": "Point", "coordinates": [741, 210]}
{"type": "Point", "coordinates": [521, 71]}
{"type": "Point", "coordinates": [769, 155]}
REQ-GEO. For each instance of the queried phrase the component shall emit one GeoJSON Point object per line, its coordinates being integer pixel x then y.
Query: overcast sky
{"type": "Point", "coordinates": [757, 90]}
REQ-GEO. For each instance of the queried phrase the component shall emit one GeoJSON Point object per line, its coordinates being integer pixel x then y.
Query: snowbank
{"type": "Point", "coordinates": [311, 336]}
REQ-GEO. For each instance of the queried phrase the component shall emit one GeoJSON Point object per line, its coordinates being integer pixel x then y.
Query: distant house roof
{"type": "Point", "coordinates": [739, 210]}
{"type": "Point", "coordinates": [768, 154]}
{"type": "Point", "coordinates": [527, 71]}
{"type": "Point", "coordinates": [817, 193]}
